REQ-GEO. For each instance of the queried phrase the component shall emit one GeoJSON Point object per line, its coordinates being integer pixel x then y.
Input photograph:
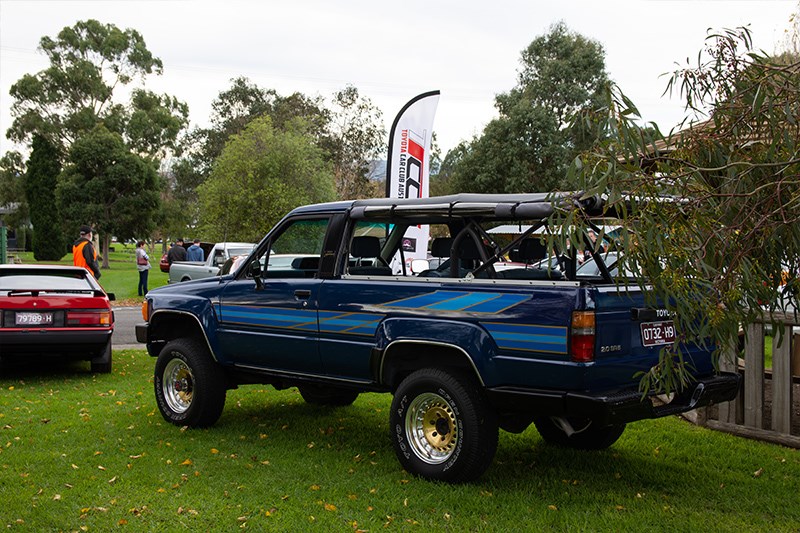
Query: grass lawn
{"type": "Point", "coordinates": [84, 452]}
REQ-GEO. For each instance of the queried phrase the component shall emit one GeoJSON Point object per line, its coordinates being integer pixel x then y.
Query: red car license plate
{"type": "Point", "coordinates": [657, 333]}
{"type": "Point", "coordinates": [34, 319]}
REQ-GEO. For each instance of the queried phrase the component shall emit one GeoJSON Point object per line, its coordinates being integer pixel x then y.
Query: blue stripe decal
{"type": "Point", "coordinates": [473, 302]}
{"type": "Point", "coordinates": [531, 338]}
{"type": "Point", "coordinates": [353, 323]}
{"type": "Point", "coordinates": [425, 300]}
{"type": "Point", "coordinates": [462, 302]}
{"type": "Point", "coordinates": [498, 304]}
{"type": "Point", "coordinates": [270, 317]}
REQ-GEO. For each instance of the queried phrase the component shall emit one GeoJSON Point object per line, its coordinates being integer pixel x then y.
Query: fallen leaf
{"type": "Point", "coordinates": [758, 472]}
{"type": "Point", "coordinates": [187, 462]}
{"type": "Point", "coordinates": [57, 497]}
{"type": "Point", "coordinates": [214, 450]}
{"type": "Point", "coordinates": [314, 487]}
{"type": "Point", "coordinates": [330, 507]}
{"type": "Point", "coordinates": [552, 507]}
{"type": "Point", "coordinates": [113, 479]}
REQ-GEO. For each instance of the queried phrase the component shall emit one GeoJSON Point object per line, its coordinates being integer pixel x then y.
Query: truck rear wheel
{"type": "Point", "coordinates": [578, 433]}
{"type": "Point", "coordinates": [442, 426]}
{"type": "Point", "coordinates": [189, 386]}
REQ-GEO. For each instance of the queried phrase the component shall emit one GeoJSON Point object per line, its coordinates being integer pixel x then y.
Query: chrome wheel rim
{"type": "Point", "coordinates": [432, 428]}
{"type": "Point", "coordinates": [178, 385]}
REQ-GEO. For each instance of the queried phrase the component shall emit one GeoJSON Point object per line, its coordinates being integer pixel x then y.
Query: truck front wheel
{"type": "Point", "coordinates": [442, 426]}
{"type": "Point", "coordinates": [578, 433]}
{"type": "Point", "coordinates": [189, 386]}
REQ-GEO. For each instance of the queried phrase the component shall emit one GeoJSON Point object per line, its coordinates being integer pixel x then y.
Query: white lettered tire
{"type": "Point", "coordinates": [189, 386]}
{"type": "Point", "coordinates": [442, 426]}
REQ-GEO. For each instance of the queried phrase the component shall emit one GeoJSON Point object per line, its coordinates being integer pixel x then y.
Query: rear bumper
{"type": "Point", "coordinates": [615, 407]}
{"type": "Point", "coordinates": [80, 342]}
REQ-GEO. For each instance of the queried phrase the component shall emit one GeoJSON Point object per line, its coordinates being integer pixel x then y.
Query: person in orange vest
{"type": "Point", "coordinates": [84, 254]}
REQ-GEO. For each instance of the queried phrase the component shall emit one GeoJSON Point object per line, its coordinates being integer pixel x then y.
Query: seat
{"type": "Point", "coordinates": [531, 251]}
{"type": "Point", "coordinates": [367, 247]}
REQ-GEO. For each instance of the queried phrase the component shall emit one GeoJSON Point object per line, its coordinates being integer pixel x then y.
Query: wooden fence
{"type": "Point", "coordinates": [768, 403]}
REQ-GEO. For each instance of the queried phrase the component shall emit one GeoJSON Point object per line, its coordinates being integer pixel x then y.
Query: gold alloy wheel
{"type": "Point", "coordinates": [178, 385]}
{"type": "Point", "coordinates": [432, 428]}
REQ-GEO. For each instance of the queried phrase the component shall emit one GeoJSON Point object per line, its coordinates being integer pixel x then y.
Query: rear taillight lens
{"type": "Point", "coordinates": [89, 318]}
{"type": "Point", "coordinates": [582, 338]}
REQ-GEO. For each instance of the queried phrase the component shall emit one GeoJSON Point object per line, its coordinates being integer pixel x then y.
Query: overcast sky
{"type": "Point", "coordinates": [391, 51]}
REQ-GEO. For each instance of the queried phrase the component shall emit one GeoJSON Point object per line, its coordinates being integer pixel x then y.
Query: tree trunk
{"type": "Point", "coordinates": [106, 246]}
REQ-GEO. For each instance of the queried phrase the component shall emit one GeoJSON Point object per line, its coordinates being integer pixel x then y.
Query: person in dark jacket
{"type": "Point", "coordinates": [84, 254]}
{"type": "Point", "coordinates": [177, 252]}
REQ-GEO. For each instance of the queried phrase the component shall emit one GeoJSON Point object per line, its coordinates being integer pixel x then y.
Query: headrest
{"type": "Point", "coordinates": [365, 247]}
{"type": "Point", "coordinates": [532, 250]}
{"type": "Point", "coordinates": [440, 247]}
{"type": "Point", "coordinates": [467, 249]}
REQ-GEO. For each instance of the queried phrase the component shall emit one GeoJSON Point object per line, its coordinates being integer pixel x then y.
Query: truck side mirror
{"type": "Point", "coordinates": [255, 271]}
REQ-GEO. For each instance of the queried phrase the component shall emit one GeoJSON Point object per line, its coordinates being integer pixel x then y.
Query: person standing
{"type": "Point", "coordinates": [195, 253]}
{"type": "Point", "coordinates": [143, 266]}
{"type": "Point", "coordinates": [84, 254]}
{"type": "Point", "coordinates": [177, 252]}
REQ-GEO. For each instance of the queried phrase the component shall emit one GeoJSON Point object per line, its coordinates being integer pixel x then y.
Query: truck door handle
{"type": "Point", "coordinates": [302, 294]}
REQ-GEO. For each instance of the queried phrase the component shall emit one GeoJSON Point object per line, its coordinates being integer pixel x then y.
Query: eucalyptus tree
{"type": "Point", "coordinates": [727, 250]}
{"type": "Point", "coordinates": [532, 142]}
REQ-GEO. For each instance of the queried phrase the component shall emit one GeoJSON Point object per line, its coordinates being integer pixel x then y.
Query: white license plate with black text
{"type": "Point", "coordinates": [34, 319]}
{"type": "Point", "coordinates": [658, 333]}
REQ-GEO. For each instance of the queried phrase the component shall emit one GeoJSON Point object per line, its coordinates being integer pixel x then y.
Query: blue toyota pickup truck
{"type": "Point", "coordinates": [500, 332]}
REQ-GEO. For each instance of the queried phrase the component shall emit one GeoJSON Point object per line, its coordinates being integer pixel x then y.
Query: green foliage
{"type": "Point", "coordinates": [530, 145]}
{"type": "Point", "coordinates": [49, 242]}
{"type": "Point", "coordinates": [83, 451]}
{"type": "Point", "coordinates": [12, 189]}
{"type": "Point", "coordinates": [87, 62]}
{"type": "Point", "coordinates": [261, 174]}
{"type": "Point", "coordinates": [354, 139]}
{"type": "Point", "coordinates": [106, 185]}
{"type": "Point", "coordinates": [718, 257]}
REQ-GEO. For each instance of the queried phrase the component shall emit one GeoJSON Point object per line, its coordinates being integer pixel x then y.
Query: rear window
{"type": "Point", "coordinates": [49, 281]}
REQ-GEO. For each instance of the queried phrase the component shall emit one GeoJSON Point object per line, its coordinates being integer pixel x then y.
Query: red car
{"type": "Point", "coordinates": [55, 311]}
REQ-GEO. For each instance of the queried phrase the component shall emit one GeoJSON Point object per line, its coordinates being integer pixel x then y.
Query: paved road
{"type": "Point", "coordinates": [125, 318]}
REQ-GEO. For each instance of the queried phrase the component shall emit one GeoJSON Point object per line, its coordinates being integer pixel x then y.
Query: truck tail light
{"type": "Point", "coordinates": [89, 318]}
{"type": "Point", "coordinates": [582, 338]}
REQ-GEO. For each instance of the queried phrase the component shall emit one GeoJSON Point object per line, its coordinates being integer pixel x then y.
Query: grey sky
{"type": "Point", "coordinates": [391, 51]}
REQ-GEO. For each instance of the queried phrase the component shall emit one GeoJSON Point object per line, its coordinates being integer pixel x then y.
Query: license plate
{"type": "Point", "coordinates": [34, 319]}
{"type": "Point", "coordinates": [658, 333]}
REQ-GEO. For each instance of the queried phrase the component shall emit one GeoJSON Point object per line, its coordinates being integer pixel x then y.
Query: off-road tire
{"type": "Point", "coordinates": [189, 386]}
{"type": "Point", "coordinates": [442, 426]}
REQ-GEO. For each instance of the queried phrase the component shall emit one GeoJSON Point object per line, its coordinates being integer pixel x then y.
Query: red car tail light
{"type": "Point", "coordinates": [89, 318]}
{"type": "Point", "coordinates": [582, 338]}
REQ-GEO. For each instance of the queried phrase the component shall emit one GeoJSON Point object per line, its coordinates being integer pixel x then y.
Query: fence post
{"type": "Point", "coordinates": [3, 245]}
{"type": "Point", "coordinates": [782, 382]}
{"type": "Point", "coordinates": [754, 376]}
